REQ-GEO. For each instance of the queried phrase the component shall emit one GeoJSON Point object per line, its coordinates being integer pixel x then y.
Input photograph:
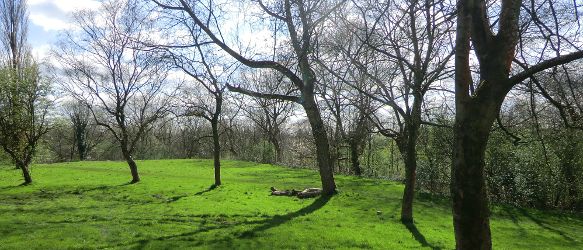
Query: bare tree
{"type": "Point", "coordinates": [349, 110]}
{"type": "Point", "coordinates": [402, 50]}
{"type": "Point", "coordinates": [301, 20]}
{"type": "Point", "coordinates": [110, 71]}
{"type": "Point", "coordinates": [270, 115]}
{"type": "Point", "coordinates": [495, 32]}
{"type": "Point", "coordinates": [210, 76]}
{"type": "Point", "coordinates": [23, 92]}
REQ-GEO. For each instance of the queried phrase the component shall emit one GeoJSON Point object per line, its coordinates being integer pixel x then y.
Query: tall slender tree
{"type": "Point", "coordinates": [206, 97]}
{"type": "Point", "coordinates": [23, 93]}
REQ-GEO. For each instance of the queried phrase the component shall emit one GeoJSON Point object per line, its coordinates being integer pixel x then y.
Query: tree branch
{"type": "Point", "coordinates": [238, 89]}
{"type": "Point", "coordinates": [528, 72]}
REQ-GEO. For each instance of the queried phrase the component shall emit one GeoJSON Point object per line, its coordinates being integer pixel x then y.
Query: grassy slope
{"type": "Point", "coordinates": [87, 205]}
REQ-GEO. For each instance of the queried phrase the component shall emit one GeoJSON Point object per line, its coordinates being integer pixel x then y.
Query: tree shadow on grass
{"type": "Point", "coordinates": [514, 219]}
{"type": "Point", "coordinates": [178, 197]}
{"type": "Point", "coordinates": [11, 187]}
{"type": "Point", "coordinates": [418, 235]}
{"type": "Point", "coordinates": [184, 236]}
{"type": "Point", "coordinates": [544, 225]}
{"type": "Point", "coordinates": [211, 188]}
{"type": "Point", "coordinates": [281, 219]}
{"type": "Point", "coordinates": [140, 244]}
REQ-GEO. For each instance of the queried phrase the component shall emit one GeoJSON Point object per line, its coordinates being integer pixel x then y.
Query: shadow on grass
{"type": "Point", "coordinates": [185, 236]}
{"type": "Point", "coordinates": [418, 235]}
{"type": "Point", "coordinates": [211, 188]}
{"type": "Point", "coordinates": [514, 220]}
{"type": "Point", "coordinates": [11, 187]}
{"type": "Point", "coordinates": [280, 219]}
{"type": "Point", "coordinates": [178, 197]}
{"type": "Point", "coordinates": [544, 225]}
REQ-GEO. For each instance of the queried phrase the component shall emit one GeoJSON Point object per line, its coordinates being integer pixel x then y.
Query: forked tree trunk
{"type": "Point", "coordinates": [216, 151]}
{"type": "Point", "coordinates": [322, 146]}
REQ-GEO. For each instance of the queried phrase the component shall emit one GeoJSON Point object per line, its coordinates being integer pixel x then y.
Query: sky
{"type": "Point", "coordinates": [49, 17]}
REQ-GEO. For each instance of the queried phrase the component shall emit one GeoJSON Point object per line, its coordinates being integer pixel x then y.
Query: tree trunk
{"type": "Point", "coordinates": [277, 148]}
{"type": "Point", "coordinates": [132, 164]}
{"type": "Point", "coordinates": [354, 157]}
{"type": "Point", "coordinates": [25, 172]}
{"type": "Point", "coordinates": [322, 145]}
{"type": "Point", "coordinates": [216, 152]}
{"type": "Point", "coordinates": [410, 159]}
{"type": "Point", "coordinates": [469, 191]}
{"type": "Point", "coordinates": [81, 142]}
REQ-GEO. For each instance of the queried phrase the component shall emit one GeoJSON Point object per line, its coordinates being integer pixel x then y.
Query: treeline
{"type": "Point", "coordinates": [533, 161]}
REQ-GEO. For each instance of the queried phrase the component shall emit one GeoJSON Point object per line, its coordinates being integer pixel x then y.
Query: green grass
{"type": "Point", "coordinates": [88, 205]}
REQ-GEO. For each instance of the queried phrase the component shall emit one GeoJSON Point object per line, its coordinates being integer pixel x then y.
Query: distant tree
{"type": "Point", "coordinates": [109, 70]}
{"type": "Point", "coordinates": [23, 92]}
{"type": "Point", "coordinates": [270, 115]}
{"type": "Point", "coordinates": [349, 111]}
{"type": "Point", "coordinates": [85, 135]}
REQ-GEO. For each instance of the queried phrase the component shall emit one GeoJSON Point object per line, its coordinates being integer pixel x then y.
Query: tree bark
{"type": "Point", "coordinates": [470, 202]}
{"type": "Point", "coordinates": [133, 166]}
{"type": "Point", "coordinates": [354, 157]}
{"type": "Point", "coordinates": [81, 143]}
{"type": "Point", "coordinates": [322, 145]}
{"type": "Point", "coordinates": [410, 159]}
{"type": "Point", "coordinates": [25, 172]}
{"type": "Point", "coordinates": [216, 151]}
{"type": "Point", "coordinates": [277, 148]}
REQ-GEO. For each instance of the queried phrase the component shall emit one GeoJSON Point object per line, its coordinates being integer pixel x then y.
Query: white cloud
{"type": "Point", "coordinates": [54, 15]}
{"type": "Point", "coordinates": [48, 23]}
{"type": "Point", "coordinates": [68, 5]}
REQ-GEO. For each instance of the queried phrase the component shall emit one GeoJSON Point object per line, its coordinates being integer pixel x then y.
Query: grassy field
{"type": "Point", "coordinates": [89, 205]}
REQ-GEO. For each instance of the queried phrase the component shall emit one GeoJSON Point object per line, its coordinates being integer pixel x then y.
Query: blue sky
{"type": "Point", "coordinates": [48, 18]}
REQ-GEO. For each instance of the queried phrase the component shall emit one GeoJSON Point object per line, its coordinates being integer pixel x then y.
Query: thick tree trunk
{"type": "Point", "coordinates": [469, 192]}
{"type": "Point", "coordinates": [322, 145]}
{"type": "Point", "coordinates": [25, 172]}
{"type": "Point", "coordinates": [133, 166]}
{"type": "Point", "coordinates": [216, 152]}
{"type": "Point", "coordinates": [354, 157]}
{"type": "Point", "coordinates": [410, 158]}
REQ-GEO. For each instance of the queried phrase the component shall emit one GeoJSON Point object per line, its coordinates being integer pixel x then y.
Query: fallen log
{"type": "Point", "coordinates": [310, 193]}
{"type": "Point", "coordinates": [306, 193]}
